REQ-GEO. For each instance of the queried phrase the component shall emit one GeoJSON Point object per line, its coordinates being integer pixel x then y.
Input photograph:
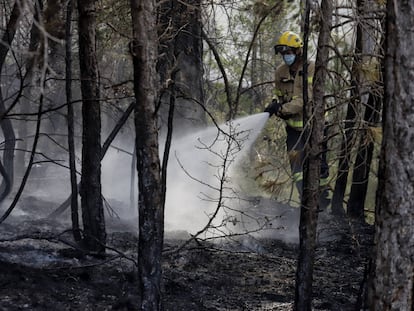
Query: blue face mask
{"type": "Point", "coordinates": [289, 59]}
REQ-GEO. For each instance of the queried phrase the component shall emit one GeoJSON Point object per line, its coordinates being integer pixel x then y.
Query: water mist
{"type": "Point", "coordinates": [200, 171]}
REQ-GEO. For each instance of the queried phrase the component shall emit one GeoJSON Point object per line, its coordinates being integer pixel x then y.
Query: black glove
{"type": "Point", "coordinates": [273, 107]}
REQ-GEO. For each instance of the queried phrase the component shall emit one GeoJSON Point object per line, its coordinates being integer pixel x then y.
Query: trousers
{"type": "Point", "coordinates": [295, 144]}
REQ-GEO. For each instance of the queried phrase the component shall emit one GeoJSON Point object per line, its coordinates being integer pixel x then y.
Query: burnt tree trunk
{"type": "Point", "coordinates": [391, 278]}
{"type": "Point", "coordinates": [150, 203]}
{"type": "Point", "coordinates": [70, 120]}
{"type": "Point", "coordinates": [5, 123]}
{"type": "Point", "coordinates": [91, 197]}
{"type": "Point", "coordinates": [314, 112]}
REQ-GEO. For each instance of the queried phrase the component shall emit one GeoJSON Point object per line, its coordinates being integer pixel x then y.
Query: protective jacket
{"type": "Point", "coordinates": [289, 90]}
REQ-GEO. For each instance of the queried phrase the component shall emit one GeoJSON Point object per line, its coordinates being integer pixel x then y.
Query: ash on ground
{"type": "Point", "coordinates": [254, 271]}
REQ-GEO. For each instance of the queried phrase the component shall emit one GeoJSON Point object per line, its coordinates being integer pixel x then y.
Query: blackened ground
{"type": "Point", "coordinates": [40, 272]}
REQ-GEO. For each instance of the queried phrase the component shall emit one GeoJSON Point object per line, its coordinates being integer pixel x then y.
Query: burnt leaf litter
{"type": "Point", "coordinates": [41, 270]}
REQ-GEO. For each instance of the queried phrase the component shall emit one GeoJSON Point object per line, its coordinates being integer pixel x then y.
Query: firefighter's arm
{"type": "Point", "coordinates": [292, 107]}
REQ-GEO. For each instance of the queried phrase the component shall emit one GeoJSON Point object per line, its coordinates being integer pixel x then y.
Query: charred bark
{"type": "Point", "coordinates": [70, 120]}
{"type": "Point", "coordinates": [150, 203]}
{"type": "Point", "coordinates": [91, 197]}
{"type": "Point", "coordinates": [391, 278]}
{"type": "Point", "coordinates": [5, 123]}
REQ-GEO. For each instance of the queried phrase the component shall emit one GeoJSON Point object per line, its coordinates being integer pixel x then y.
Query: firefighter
{"type": "Point", "coordinates": [288, 105]}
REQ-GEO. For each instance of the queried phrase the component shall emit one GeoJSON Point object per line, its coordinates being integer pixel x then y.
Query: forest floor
{"type": "Point", "coordinates": [40, 271]}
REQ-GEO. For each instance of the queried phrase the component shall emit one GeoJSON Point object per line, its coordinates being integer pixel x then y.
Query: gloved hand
{"type": "Point", "coordinates": [273, 107]}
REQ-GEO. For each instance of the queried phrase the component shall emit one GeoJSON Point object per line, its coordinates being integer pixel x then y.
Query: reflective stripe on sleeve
{"type": "Point", "coordinates": [294, 123]}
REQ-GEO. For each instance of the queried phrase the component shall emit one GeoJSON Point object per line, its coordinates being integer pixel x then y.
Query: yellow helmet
{"type": "Point", "coordinates": [288, 40]}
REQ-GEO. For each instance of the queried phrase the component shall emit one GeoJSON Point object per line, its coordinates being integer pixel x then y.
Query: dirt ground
{"type": "Point", "coordinates": [40, 271]}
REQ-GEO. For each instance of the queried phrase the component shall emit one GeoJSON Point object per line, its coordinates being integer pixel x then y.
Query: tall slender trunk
{"type": "Point", "coordinates": [91, 188]}
{"type": "Point", "coordinates": [5, 123]}
{"type": "Point", "coordinates": [70, 120]}
{"type": "Point", "coordinates": [391, 277]}
{"type": "Point", "coordinates": [144, 51]}
{"type": "Point", "coordinates": [314, 112]}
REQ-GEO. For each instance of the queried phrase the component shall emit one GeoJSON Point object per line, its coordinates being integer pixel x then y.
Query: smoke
{"type": "Point", "coordinates": [200, 174]}
{"type": "Point", "coordinates": [202, 181]}
{"type": "Point", "coordinates": [117, 168]}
